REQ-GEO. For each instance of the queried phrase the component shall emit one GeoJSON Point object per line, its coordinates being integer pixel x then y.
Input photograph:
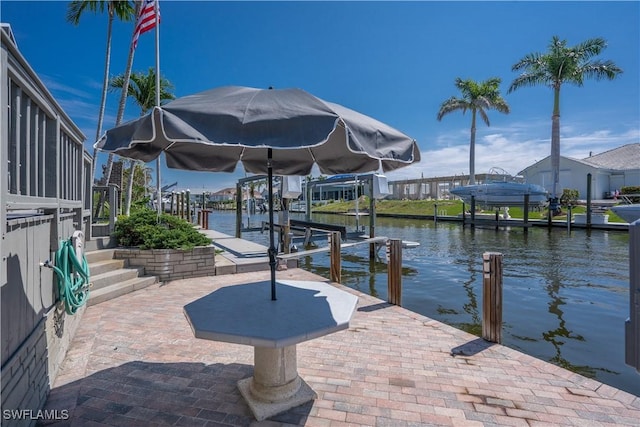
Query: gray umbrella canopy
{"type": "Point", "coordinates": [216, 129]}
{"type": "Point", "coordinates": [281, 131]}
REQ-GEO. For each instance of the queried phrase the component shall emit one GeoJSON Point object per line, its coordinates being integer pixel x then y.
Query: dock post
{"type": "Point", "coordinates": [473, 211]}
{"type": "Point", "coordinates": [205, 219]}
{"type": "Point", "coordinates": [181, 205]}
{"type": "Point", "coordinates": [188, 213]}
{"type": "Point", "coordinates": [492, 297]}
{"type": "Point", "coordinates": [286, 227]}
{"type": "Point", "coordinates": [632, 324]}
{"type": "Point", "coordinates": [203, 207]}
{"type": "Point", "coordinates": [335, 240]}
{"type": "Point", "coordinates": [238, 210]}
{"type": "Point", "coordinates": [435, 213]}
{"type": "Point", "coordinates": [372, 224]}
{"type": "Point", "coordinates": [463, 215]}
{"type": "Point", "coordinates": [308, 199]}
{"type": "Point", "coordinates": [394, 281]}
{"type": "Point", "coordinates": [525, 214]}
{"type": "Point", "coordinates": [589, 201]}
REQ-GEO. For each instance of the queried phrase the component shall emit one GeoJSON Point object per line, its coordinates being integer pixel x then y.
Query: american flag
{"type": "Point", "coordinates": [146, 19]}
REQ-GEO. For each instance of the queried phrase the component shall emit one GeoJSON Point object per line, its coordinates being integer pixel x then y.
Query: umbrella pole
{"type": "Point", "coordinates": [272, 246]}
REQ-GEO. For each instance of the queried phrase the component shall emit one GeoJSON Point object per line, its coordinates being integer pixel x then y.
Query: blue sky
{"type": "Point", "coordinates": [395, 61]}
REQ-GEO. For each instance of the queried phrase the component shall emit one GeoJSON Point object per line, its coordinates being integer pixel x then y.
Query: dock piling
{"type": "Point", "coordinates": [525, 214]}
{"type": "Point", "coordinates": [394, 280]}
{"type": "Point", "coordinates": [492, 297]}
{"type": "Point", "coordinates": [335, 240]}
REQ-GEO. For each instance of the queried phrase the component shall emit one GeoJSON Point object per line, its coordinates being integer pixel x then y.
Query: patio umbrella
{"type": "Point", "coordinates": [272, 131]}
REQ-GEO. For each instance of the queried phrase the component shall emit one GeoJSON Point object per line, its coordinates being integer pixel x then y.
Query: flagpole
{"type": "Point", "coordinates": [157, 18]}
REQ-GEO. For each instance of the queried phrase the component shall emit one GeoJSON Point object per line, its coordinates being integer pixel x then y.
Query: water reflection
{"type": "Point", "coordinates": [471, 305]}
{"type": "Point", "coordinates": [565, 294]}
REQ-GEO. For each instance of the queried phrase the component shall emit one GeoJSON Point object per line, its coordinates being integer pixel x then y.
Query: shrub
{"type": "Point", "coordinates": [569, 197]}
{"type": "Point", "coordinates": [145, 230]}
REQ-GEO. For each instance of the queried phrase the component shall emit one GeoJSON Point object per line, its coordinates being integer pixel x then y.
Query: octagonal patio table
{"type": "Point", "coordinates": [245, 314]}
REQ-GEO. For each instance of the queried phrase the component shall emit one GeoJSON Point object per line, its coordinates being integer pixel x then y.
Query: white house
{"type": "Point", "coordinates": [610, 171]}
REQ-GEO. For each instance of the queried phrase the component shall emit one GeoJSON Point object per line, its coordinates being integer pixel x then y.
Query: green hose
{"type": "Point", "coordinates": [73, 277]}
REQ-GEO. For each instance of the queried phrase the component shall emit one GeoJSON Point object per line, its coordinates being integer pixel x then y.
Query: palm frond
{"type": "Point", "coordinates": [529, 79]}
{"type": "Point", "coordinates": [76, 9]}
{"type": "Point", "coordinates": [451, 105]}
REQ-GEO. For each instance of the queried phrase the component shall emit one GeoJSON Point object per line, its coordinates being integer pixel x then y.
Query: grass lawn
{"type": "Point", "coordinates": [445, 207]}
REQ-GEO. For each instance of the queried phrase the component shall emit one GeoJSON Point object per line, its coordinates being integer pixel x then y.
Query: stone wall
{"type": "Point", "coordinates": [171, 264]}
{"type": "Point", "coordinates": [29, 374]}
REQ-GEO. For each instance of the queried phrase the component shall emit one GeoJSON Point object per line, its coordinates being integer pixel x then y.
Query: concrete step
{"type": "Point", "coordinates": [103, 266]}
{"type": "Point", "coordinates": [96, 296]}
{"type": "Point", "coordinates": [98, 255]}
{"type": "Point", "coordinates": [109, 278]}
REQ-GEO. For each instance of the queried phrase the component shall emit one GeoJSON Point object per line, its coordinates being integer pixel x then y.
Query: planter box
{"type": "Point", "coordinates": [171, 264]}
{"type": "Point", "coordinates": [596, 218]}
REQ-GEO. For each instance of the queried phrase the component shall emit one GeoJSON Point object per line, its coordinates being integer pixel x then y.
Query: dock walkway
{"type": "Point", "coordinates": [135, 361]}
{"type": "Point", "coordinates": [239, 255]}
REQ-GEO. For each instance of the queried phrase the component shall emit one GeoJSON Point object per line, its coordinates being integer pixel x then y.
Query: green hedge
{"type": "Point", "coordinates": [145, 230]}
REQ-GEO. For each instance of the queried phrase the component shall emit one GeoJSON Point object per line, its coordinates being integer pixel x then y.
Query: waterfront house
{"type": "Point", "coordinates": [610, 171]}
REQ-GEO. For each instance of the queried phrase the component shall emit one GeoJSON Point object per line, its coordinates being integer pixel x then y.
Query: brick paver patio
{"type": "Point", "coordinates": [135, 362]}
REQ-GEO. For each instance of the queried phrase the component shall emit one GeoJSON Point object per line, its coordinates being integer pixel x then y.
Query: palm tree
{"type": "Point", "coordinates": [562, 64]}
{"type": "Point", "coordinates": [123, 10]}
{"type": "Point", "coordinates": [477, 97]}
{"type": "Point", "coordinates": [142, 88]}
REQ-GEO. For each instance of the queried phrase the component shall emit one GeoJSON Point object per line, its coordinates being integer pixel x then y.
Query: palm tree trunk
{"type": "Point", "coordinates": [555, 150]}
{"type": "Point", "coordinates": [119, 117]}
{"type": "Point", "coordinates": [103, 102]}
{"type": "Point", "coordinates": [472, 150]}
{"type": "Point", "coordinates": [103, 97]}
{"type": "Point", "coordinates": [127, 200]}
{"type": "Point", "coordinates": [121, 106]}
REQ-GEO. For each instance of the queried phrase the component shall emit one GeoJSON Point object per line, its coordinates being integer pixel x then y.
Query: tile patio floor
{"type": "Point", "coordinates": [135, 362]}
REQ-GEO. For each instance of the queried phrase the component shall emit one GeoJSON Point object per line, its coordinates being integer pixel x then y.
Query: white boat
{"type": "Point", "coordinates": [501, 190]}
{"type": "Point", "coordinates": [629, 213]}
{"type": "Point", "coordinates": [502, 193]}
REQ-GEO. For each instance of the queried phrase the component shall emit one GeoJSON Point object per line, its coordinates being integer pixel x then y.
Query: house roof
{"type": "Point", "coordinates": [621, 158]}
{"type": "Point", "coordinates": [225, 191]}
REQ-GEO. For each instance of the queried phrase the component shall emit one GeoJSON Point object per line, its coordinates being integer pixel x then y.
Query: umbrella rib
{"type": "Point", "coordinates": [244, 114]}
{"type": "Point", "coordinates": [312, 155]}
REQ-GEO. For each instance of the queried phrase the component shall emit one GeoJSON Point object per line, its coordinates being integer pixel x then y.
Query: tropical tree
{"type": "Point", "coordinates": [562, 64]}
{"type": "Point", "coordinates": [124, 10]}
{"type": "Point", "coordinates": [478, 97]}
{"type": "Point", "coordinates": [142, 89]}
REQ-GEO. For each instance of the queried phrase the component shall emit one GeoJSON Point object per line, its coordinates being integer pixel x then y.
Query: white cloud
{"type": "Point", "coordinates": [511, 150]}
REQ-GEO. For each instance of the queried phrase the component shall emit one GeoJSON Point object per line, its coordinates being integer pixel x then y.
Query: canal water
{"type": "Point", "coordinates": [565, 295]}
